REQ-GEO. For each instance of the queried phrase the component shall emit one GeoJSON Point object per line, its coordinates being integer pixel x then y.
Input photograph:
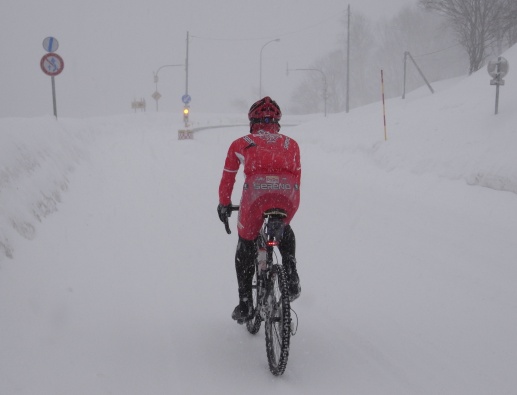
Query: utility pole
{"type": "Point", "coordinates": [405, 68]}
{"type": "Point", "coordinates": [186, 67]}
{"type": "Point", "coordinates": [348, 63]}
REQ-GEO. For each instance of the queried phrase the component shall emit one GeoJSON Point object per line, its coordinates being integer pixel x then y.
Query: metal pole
{"type": "Point", "coordinates": [260, 66]}
{"type": "Point", "coordinates": [496, 99]}
{"type": "Point", "coordinates": [186, 67]}
{"type": "Point", "coordinates": [324, 91]}
{"type": "Point", "coordinates": [156, 77]}
{"type": "Point", "coordinates": [498, 79]}
{"type": "Point", "coordinates": [54, 96]}
{"type": "Point", "coordinates": [405, 62]}
{"type": "Point", "coordinates": [383, 105]}
{"type": "Point", "coordinates": [420, 71]}
{"type": "Point", "coordinates": [348, 63]}
{"type": "Point", "coordinates": [156, 88]}
{"type": "Point", "coordinates": [260, 74]}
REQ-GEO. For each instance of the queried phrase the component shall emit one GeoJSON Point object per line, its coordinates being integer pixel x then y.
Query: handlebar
{"type": "Point", "coordinates": [226, 225]}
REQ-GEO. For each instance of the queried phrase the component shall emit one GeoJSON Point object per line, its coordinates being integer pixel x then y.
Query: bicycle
{"type": "Point", "coordinates": [270, 291]}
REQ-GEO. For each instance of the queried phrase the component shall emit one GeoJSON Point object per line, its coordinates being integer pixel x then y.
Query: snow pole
{"type": "Point", "coordinates": [383, 105]}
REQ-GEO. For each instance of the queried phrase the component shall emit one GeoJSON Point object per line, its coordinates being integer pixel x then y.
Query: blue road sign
{"type": "Point", "coordinates": [50, 44]}
{"type": "Point", "coordinates": [186, 99]}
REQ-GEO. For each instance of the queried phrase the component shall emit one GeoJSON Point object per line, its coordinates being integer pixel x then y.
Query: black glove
{"type": "Point", "coordinates": [223, 212]}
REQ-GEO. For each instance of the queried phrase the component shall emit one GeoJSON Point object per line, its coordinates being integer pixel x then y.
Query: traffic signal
{"type": "Point", "coordinates": [186, 111]}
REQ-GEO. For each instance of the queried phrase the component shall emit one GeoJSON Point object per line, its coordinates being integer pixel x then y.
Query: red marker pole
{"type": "Point", "coordinates": [383, 105]}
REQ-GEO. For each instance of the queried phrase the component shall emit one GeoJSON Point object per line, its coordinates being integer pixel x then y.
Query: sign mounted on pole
{"type": "Point", "coordinates": [497, 70]}
{"type": "Point", "coordinates": [52, 64]}
{"type": "Point", "coordinates": [50, 44]}
{"type": "Point", "coordinates": [186, 99]}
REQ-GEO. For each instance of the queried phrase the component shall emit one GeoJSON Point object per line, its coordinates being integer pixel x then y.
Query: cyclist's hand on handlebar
{"type": "Point", "coordinates": [224, 212]}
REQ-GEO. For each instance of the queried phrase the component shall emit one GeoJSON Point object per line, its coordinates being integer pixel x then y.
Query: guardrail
{"type": "Point", "coordinates": [188, 134]}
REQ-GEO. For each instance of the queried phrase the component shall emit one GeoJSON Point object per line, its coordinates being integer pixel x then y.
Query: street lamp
{"type": "Point", "coordinates": [260, 76]}
{"type": "Point", "coordinates": [324, 83]}
{"type": "Point", "coordinates": [156, 96]}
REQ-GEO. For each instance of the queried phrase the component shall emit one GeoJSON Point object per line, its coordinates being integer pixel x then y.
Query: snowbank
{"type": "Point", "coordinates": [37, 157]}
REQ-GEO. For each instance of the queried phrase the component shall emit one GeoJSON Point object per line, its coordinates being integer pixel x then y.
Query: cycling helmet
{"type": "Point", "coordinates": [265, 111]}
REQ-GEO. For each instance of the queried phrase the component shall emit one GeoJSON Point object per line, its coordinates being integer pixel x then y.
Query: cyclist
{"type": "Point", "coordinates": [272, 170]}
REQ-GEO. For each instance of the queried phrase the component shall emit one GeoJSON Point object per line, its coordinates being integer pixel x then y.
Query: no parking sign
{"type": "Point", "coordinates": [52, 64]}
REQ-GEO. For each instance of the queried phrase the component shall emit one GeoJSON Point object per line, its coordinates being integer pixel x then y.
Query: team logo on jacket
{"type": "Point", "coordinates": [271, 183]}
{"type": "Point", "coordinates": [269, 137]}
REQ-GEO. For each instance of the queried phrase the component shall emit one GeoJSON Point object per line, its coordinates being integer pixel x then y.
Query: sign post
{"type": "Point", "coordinates": [186, 134]}
{"type": "Point", "coordinates": [497, 70]}
{"type": "Point", "coordinates": [52, 64]}
{"type": "Point", "coordinates": [156, 96]}
{"type": "Point", "coordinates": [383, 105]}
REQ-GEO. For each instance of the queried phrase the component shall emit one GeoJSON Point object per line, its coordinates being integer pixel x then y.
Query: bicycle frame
{"type": "Point", "coordinates": [270, 236]}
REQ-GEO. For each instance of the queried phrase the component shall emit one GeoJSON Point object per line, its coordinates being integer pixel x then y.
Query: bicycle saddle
{"type": "Point", "coordinates": [275, 212]}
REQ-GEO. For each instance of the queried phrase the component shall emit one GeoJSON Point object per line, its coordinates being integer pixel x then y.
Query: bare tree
{"type": "Point", "coordinates": [509, 25]}
{"type": "Point", "coordinates": [431, 43]}
{"type": "Point", "coordinates": [307, 97]}
{"type": "Point", "coordinates": [479, 24]}
{"type": "Point", "coordinates": [376, 46]}
{"type": "Point", "coordinates": [363, 84]}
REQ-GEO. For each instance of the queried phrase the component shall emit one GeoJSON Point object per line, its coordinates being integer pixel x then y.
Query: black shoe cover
{"type": "Point", "coordinates": [243, 312]}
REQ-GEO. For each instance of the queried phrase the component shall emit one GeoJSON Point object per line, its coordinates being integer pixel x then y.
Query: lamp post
{"type": "Point", "coordinates": [156, 95]}
{"type": "Point", "coordinates": [324, 84]}
{"type": "Point", "coordinates": [260, 75]}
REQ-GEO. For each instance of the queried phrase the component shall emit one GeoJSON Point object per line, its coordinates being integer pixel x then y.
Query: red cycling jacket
{"type": "Point", "coordinates": [272, 172]}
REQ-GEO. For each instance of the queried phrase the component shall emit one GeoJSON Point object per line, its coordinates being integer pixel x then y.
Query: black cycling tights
{"type": "Point", "coordinates": [245, 258]}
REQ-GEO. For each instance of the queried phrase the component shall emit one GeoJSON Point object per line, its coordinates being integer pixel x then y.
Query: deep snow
{"type": "Point", "coordinates": [116, 276]}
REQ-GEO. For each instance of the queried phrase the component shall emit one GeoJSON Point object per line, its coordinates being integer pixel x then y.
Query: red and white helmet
{"type": "Point", "coordinates": [265, 111]}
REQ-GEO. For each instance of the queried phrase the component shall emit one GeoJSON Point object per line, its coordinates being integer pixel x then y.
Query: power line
{"type": "Point", "coordinates": [269, 37]}
{"type": "Point", "coordinates": [440, 50]}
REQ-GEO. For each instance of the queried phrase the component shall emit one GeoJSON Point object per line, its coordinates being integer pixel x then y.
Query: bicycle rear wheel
{"type": "Point", "coordinates": [278, 321]}
{"type": "Point", "coordinates": [253, 325]}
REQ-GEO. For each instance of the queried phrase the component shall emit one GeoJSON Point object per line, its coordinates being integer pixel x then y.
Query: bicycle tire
{"type": "Point", "coordinates": [253, 325]}
{"type": "Point", "coordinates": [278, 321]}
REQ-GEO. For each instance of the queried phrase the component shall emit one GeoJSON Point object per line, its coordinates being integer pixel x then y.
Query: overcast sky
{"type": "Point", "coordinates": [111, 48]}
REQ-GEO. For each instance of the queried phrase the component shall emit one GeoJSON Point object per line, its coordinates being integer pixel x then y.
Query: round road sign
{"type": "Point", "coordinates": [503, 67]}
{"type": "Point", "coordinates": [52, 64]}
{"type": "Point", "coordinates": [186, 99]}
{"type": "Point", "coordinates": [50, 44]}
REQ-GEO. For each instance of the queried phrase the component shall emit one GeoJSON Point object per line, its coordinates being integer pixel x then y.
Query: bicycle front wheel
{"type": "Point", "coordinates": [278, 321]}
